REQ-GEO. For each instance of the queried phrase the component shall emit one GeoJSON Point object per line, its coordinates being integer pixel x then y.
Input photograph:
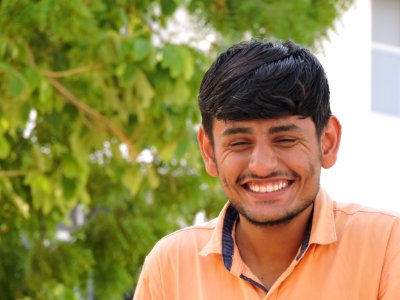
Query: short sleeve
{"type": "Point", "coordinates": [390, 279]}
{"type": "Point", "coordinates": [148, 287]}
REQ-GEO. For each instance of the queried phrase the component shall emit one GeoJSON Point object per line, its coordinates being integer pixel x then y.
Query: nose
{"type": "Point", "coordinates": [263, 160]}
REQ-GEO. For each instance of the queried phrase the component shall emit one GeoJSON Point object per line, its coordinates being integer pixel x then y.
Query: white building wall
{"type": "Point", "coordinates": [368, 166]}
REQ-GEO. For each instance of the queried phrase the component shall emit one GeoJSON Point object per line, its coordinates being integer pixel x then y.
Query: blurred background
{"type": "Point", "coordinates": [98, 122]}
{"type": "Point", "coordinates": [362, 61]}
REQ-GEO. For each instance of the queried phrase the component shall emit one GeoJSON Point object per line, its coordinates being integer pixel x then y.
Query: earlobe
{"type": "Point", "coordinates": [207, 151]}
{"type": "Point", "coordinates": [330, 142]}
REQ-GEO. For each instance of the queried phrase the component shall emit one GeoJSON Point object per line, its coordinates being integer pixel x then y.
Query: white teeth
{"type": "Point", "coordinates": [268, 188]}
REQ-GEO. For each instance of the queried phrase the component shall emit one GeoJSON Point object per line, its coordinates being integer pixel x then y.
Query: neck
{"type": "Point", "coordinates": [269, 250]}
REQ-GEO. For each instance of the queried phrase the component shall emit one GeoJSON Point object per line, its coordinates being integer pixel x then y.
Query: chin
{"type": "Point", "coordinates": [270, 219]}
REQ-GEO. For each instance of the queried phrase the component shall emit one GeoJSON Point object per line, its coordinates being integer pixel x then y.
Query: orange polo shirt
{"type": "Point", "coordinates": [350, 252]}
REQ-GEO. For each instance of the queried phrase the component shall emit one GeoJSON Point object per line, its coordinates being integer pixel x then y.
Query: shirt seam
{"type": "Point", "coordinates": [387, 214]}
{"type": "Point", "coordinates": [191, 228]}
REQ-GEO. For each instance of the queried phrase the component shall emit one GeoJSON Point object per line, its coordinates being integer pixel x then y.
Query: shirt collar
{"type": "Point", "coordinates": [323, 226]}
{"type": "Point", "coordinates": [214, 245]}
{"type": "Point", "coordinates": [323, 229]}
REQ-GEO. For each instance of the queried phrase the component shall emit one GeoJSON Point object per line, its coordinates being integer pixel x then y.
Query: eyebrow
{"type": "Point", "coordinates": [283, 128]}
{"type": "Point", "coordinates": [236, 130]}
{"type": "Point", "coordinates": [276, 129]}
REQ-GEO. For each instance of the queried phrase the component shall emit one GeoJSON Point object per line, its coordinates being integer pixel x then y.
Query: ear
{"type": "Point", "coordinates": [207, 151]}
{"type": "Point", "coordinates": [330, 142]}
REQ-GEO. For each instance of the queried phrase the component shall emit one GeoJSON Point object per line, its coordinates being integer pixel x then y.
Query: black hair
{"type": "Point", "coordinates": [264, 80]}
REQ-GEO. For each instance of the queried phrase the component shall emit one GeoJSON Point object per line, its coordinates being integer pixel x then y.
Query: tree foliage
{"type": "Point", "coordinates": [81, 80]}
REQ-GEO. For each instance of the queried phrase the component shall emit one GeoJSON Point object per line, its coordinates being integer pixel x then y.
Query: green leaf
{"type": "Point", "coordinates": [133, 179]}
{"type": "Point", "coordinates": [144, 89]}
{"type": "Point", "coordinates": [33, 76]}
{"type": "Point", "coordinates": [69, 188]}
{"type": "Point", "coordinates": [153, 177]}
{"type": "Point", "coordinates": [167, 151]}
{"type": "Point", "coordinates": [168, 7]}
{"type": "Point", "coordinates": [3, 47]}
{"type": "Point", "coordinates": [45, 92]}
{"type": "Point", "coordinates": [182, 148]}
{"type": "Point", "coordinates": [172, 60]}
{"type": "Point", "coordinates": [41, 189]}
{"type": "Point", "coordinates": [180, 93]}
{"type": "Point", "coordinates": [188, 63]}
{"type": "Point", "coordinates": [141, 48]}
{"type": "Point", "coordinates": [4, 125]}
{"type": "Point", "coordinates": [39, 159]}
{"type": "Point", "coordinates": [78, 143]}
{"type": "Point", "coordinates": [22, 206]}
{"type": "Point", "coordinates": [4, 147]}
{"type": "Point", "coordinates": [128, 74]}
{"type": "Point", "coordinates": [15, 85]}
{"type": "Point", "coordinates": [70, 166]}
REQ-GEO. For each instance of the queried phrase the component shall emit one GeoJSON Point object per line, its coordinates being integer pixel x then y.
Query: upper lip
{"type": "Point", "coordinates": [266, 180]}
{"type": "Point", "coordinates": [270, 186]}
{"type": "Point", "coordinates": [266, 184]}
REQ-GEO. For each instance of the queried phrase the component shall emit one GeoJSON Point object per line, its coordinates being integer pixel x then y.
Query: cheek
{"type": "Point", "coordinates": [303, 163]}
{"type": "Point", "coordinates": [313, 167]}
{"type": "Point", "coordinates": [230, 167]}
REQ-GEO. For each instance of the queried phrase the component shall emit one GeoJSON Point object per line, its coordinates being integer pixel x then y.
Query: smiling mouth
{"type": "Point", "coordinates": [267, 187]}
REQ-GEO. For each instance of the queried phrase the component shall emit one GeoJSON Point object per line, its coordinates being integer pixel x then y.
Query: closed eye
{"type": "Point", "coordinates": [239, 145]}
{"type": "Point", "coordinates": [286, 142]}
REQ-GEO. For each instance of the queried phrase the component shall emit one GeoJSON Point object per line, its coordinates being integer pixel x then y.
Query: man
{"type": "Point", "coordinates": [267, 129]}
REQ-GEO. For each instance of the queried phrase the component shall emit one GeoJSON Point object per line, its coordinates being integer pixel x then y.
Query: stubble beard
{"type": "Point", "coordinates": [286, 218]}
{"type": "Point", "coordinates": [283, 220]}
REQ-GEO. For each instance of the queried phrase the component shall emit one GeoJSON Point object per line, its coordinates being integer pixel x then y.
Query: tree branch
{"type": "Point", "coordinates": [71, 72]}
{"type": "Point", "coordinates": [107, 124]}
{"type": "Point", "coordinates": [13, 173]}
{"type": "Point", "coordinates": [72, 99]}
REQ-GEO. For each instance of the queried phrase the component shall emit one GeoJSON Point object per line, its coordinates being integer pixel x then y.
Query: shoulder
{"type": "Point", "coordinates": [365, 212]}
{"type": "Point", "coordinates": [186, 240]}
{"type": "Point", "coordinates": [367, 219]}
{"type": "Point", "coordinates": [178, 250]}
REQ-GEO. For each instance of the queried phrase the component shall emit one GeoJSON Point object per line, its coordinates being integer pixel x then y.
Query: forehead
{"type": "Point", "coordinates": [296, 124]}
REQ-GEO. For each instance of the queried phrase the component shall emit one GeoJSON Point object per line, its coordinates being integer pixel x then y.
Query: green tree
{"type": "Point", "coordinates": [79, 81]}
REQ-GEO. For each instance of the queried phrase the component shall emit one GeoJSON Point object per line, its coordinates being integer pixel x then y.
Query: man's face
{"type": "Point", "coordinates": [269, 169]}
